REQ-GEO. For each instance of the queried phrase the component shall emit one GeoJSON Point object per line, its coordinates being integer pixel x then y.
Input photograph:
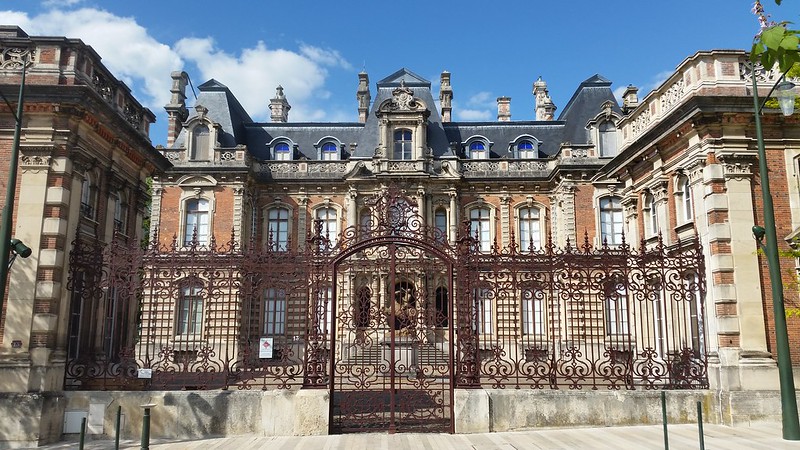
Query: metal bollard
{"type": "Point", "coordinates": [700, 425]}
{"type": "Point", "coordinates": [83, 433]}
{"type": "Point", "coordinates": [664, 417]}
{"type": "Point", "coordinates": [119, 418]}
{"type": "Point", "coordinates": [146, 426]}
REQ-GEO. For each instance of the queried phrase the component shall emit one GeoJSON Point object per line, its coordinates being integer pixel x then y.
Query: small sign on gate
{"type": "Point", "coordinates": [265, 348]}
{"type": "Point", "coordinates": [145, 373]}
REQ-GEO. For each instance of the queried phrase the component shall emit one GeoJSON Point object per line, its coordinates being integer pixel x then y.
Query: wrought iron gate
{"type": "Point", "coordinates": [391, 338]}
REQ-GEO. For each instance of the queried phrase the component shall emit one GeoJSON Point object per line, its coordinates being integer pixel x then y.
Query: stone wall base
{"type": "Point", "coordinates": [39, 418]}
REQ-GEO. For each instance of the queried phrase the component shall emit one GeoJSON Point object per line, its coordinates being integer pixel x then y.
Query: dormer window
{"type": "Point", "coordinates": [607, 140]}
{"type": "Point", "coordinates": [526, 150]}
{"type": "Point", "coordinates": [282, 152]}
{"type": "Point", "coordinates": [200, 150]}
{"type": "Point", "coordinates": [402, 144]}
{"type": "Point", "coordinates": [329, 152]}
{"type": "Point", "coordinates": [477, 150]}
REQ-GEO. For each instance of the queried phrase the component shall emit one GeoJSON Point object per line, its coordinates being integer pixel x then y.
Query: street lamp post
{"type": "Point", "coordinates": [791, 426]}
{"type": "Point", "coordinates": [11, 186]}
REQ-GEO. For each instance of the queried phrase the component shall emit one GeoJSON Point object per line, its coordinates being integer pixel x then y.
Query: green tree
{"type": "Point", "coordinates": [776, 43]}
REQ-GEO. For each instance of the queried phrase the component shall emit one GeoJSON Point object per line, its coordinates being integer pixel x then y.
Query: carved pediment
{"type": "Point", "coordinates": [197, 181]}
{"type": "Point", "coordinates": [403, 100]}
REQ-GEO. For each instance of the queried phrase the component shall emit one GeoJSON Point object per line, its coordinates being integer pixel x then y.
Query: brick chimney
{"type": "Point", "coordinates": [545, 109]}
{"type": "Point", "coordinates": [176, 109]}
{"type": "Point", "coordinates": [446, 96]}
{"type": "Point", "coordinates": [279, 107]}
{"type": "Point", "coordinates": [503, 109]}
{"type": "Point", "coordinates": [630, 98]}
{"type": "Point", "coordinates": [363, 96]}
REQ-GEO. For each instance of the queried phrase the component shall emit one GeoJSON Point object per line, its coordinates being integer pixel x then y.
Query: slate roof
{"type": "Point", "coordinates": [238, 128]}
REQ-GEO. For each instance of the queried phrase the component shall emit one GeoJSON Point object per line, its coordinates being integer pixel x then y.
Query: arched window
{"type": "Point", "coordinates": [530, 229]}
{"type": "Point", "coordinates": [196, 223]}
{"type": "Point", "coordinates": [278, 229]}
{"type": "Point", "coordinates": [685, 193]}
{"type": "Point", "coordinates": [611, 221]}
{"type": "Point", "coordinates": [479, 221]}
{"type": "Point", "coordinates": [477, 150]}
{"type": "Point", "coordinates": [650, 214]}
{"type": "Point", "coordinates": [440, 223]}
{"type": "Point", "coordinates": [120, 212]}
{"type": "Point", "coordinates": [402, 144]}
{"type": "Point", "coordinates": [283, 152]}
{"type": "Point", "coordinates": [330, 224]}
{"type": "Point", "coordinates": [88, 197]}
{"type": "Point", "coordinates": [330, 152]}
{"type": "Point", "coordinates": [200, 150]}
{"type": "Point", "coordinates": [608, 138]}
{"type": "Point", "coordinates": [274, 311]}
{"type": "Point", "coordinates": [189, 319]}
{"type": "Point", "coordinates": [526, 150]}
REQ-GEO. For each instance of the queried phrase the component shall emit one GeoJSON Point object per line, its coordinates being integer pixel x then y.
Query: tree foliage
{"type": "Point", "coordinates": [776, 43]}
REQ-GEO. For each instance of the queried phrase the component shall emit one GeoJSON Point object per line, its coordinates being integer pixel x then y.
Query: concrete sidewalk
{"type": "Point", "coordinates": [760, 437]}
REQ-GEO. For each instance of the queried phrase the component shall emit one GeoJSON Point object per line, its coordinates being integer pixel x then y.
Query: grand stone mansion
{"type": "Point", "coordinates": [405, 272]}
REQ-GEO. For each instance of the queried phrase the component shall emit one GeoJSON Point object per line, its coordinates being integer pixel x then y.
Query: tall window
{"type": "Point", "coordinates": [325, 310]}
{"type": "Point", "coordinates": [278, 229]}
{"type": "Point", "coordinates": [483, 311]}
{"type": "Point", "coordinates": [477, 150]}
{"type": "Point", "coordinates": [616, 306]}
{"type": "Point", "coordinates": [526, 150]}
{"type": "Point", "coordinates": [283, 152]}
{"type": "Point", "coordinates": [330, 152]}
{"type": "Point", "coordinates": [611, 220]}
{"type": "Point", "coordinates": [365, 222]}
{"type": "Point", "coordinates": [694, 312]}
{"type": "Point", "coordinates": [120, 213]}
{"type": "Point", "coordinates": [330, 224]}
{"type": "Point", "coordinates": [200, 143]}
{"type": "Point", "coordinates": [274, 311]}
{"type": "Point", "coordinates": [88, 196]}
{"type": "Point", "coordinates": [402, 144]}
{"type": "Point", "coordinates": [655, 316]}
{"type": "Point", "coordinates": [440, 222]}
{"type": "Point", "coordinates": [530, 229]}
{"type": "Point", "coordinates": [608, 138]}
{"type": "Point", "coordinates": [532, 312]}
{"type": "Point", "coordinates": [686, 199]}
{"type": "Point", "coordinates": [190, 311]}
{"type": "Point", "coordinates": [651, 215]}
{"type": "Point", "coordinates": [196, 224]}
{"type": "Point", "coordinates": [480, 227]}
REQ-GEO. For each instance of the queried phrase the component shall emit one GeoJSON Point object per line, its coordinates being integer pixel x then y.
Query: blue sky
{"type": "Point", "coordinates": [315, 49]}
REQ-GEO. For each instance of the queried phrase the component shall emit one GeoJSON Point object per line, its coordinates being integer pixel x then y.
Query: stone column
{"type": "Point", "coordinates": [238, 213]}
{"type": "Point", "coordinates": [352, 207]}
{"type": "Point", "coordinates": [505, 219]}
{"type": "Point", "coordinates": [630, 216]}
{"type": "Point", "coordinates": [302, 221]}
{"type": "Point", "coordinates": [453, 212]}
{"type": "Point", "coordinates": [422, 205]}
{"type": "Point", "coordinates": [660, 203]}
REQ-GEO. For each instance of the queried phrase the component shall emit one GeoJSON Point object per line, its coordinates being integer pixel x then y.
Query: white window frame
{"type": "Point", "coordinates": [203, 229]}
{"type": "Point", "coordinates": [483, 303]}
{"type": "Point", "coordinates": [607, 139]}
{"type": "Point", "coordinates": [278, 227]}
{"type": "Point", "coordinates": [274, 312]}
{"type": "Point", "coordinates": [440, 223]}
{"type": "Point", "coordinates": [283, 155]}
{"type": "Point", "coordinates": [481, 226]}
{"type": "Point", "coordinates": [532, 308]}
{"type": "Point", "coordinates": [200, 143]}
{"type": "Point", "coordinates": [651, 214]}
{"type": "Point", "coordinates": [612, 219]}
{"type": "Point", "coordinates": [402, 148]}
{"type": "Point", "coordinates": [189, 314]}
{"type": "Point", "coordinates": [686, 205]}
{"type": "Point", "coordinates": [474, 152]}
{"type": "Point", "coordinates": [529, 226]}
{"type": "Point", "coordinates": [330, 223]}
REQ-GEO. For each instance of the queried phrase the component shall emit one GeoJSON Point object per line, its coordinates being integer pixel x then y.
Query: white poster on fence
{"type": "Point", "coordinates": [265, 348]}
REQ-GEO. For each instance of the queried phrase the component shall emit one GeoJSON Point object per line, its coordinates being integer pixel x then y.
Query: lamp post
{"type": "Point", "coordinates": [11, 186]}
{"type": "Point", "coordinates": [791, 426]}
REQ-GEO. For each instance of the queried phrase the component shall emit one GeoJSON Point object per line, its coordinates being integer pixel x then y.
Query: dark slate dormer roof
{"type": "Point", "coordinates": [304, 135]}
{"type": "Point", "coordinates": [585, 104]}
{"type": "Point", "coordinates": [501, 134]}
{"type": "Point", "coordinates": [224, 109]}
{"type": "Point", "coordinates": [405, 76]}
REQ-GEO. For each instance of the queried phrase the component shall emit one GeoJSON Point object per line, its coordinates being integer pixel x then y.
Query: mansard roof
{"type": "Point", "coordinates": [444, 138]}
{"type": "Point", "coordinates": [584, 105]}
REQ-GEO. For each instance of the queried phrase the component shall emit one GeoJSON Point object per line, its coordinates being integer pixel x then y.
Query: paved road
{"type": "Point", "coordinates": [759, 437]}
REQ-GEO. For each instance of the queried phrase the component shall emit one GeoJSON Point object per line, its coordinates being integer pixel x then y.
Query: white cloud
{"type": "Point", "coordinates": [60, 3]}
{"type": "Point", "coordinates": [126, 47]}
{"type": "Point", "coordinates": [254, 74]}
{"type": "Point", "coordinates": [481, 99]}
{"type": "Point", "coordinates": [133, 55]}
{"type": "Point", "coordinates": [472, 114]}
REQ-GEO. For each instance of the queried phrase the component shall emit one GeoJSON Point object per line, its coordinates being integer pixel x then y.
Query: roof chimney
{"type": "Point", "coordinates": [630, 99]}
{"type": "Point", "coordinates": [176, 109]}
{"type": "Point", "coordinates": [503, 109]}
{"type": "Point", "coordinates": [446, 96]}
{"type": "Point", "coordinates": [545, 108]}
{"type": "Point", "coordinates": [363, 96]}
{"type": "Point", "coordinates": [279, 107]}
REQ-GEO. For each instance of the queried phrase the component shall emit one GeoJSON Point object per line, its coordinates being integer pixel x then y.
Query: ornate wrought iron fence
{"type": "Point", "coordinates": [221, 316]}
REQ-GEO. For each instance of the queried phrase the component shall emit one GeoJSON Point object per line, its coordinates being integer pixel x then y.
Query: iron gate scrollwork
{"type": "Point", "coordinates": [390, 316]}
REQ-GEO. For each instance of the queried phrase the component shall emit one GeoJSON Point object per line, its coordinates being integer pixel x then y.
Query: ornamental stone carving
{"type": "Point", "coordinates": [673, 95]}
{"type": "Point", "coordinates": [15, 57]}
{"type": "Point", "coordinates": [403, 99]}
